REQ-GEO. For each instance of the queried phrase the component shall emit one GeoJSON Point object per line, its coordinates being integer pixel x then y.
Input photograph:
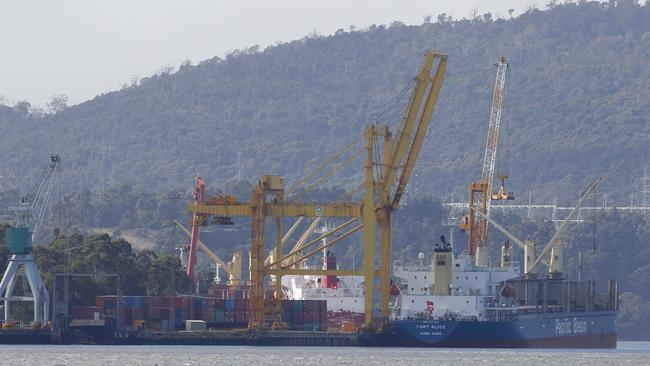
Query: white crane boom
{"type": "Point", "coordinates": [33, 206]}
{"type": "Point", "coordinates": [489, 158]}
{"type": "Point", "coordinates": [503, 230]}
{"type": "Point", "coordinates": [565, 225]}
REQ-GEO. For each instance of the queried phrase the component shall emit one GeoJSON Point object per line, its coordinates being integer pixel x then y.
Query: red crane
{"type": "Point", "coordinates": [197, 220]}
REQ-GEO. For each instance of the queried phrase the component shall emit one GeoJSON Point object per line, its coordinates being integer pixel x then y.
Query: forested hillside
{"type": "Point", "coordinates": [577, 107]}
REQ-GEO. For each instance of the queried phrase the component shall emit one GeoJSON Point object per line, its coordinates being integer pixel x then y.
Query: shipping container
{"type": "Point", "coordinates": [229, 305]}
{"type": "Point", "coordinates": [229, 316]}
{"type": "Point", "coordinates": [135, 301]}
{"type": "Point", "coordinates": [87, 312]}
{"type": "Point", "coordinates": [219, 316]}
{"type": "Point", "coordinates": [298, 305]}
{"type": "Point", "coordinates": [219, 304]}
{"type": "Point", "coordinates": [194, 325]}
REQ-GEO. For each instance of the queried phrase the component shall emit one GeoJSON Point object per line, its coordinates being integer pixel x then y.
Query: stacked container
{"type": "Point", "coordinates": [307, 315]}
{"type": "Point", "coordinates": [167, 312]}
{"type": "Point", "coordinates": [87, 312]}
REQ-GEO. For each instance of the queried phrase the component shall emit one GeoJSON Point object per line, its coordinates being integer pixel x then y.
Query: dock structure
{"type": "Point", "coordinates": [248, 338]}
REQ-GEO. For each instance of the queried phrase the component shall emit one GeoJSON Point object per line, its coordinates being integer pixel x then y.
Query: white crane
{"type": "Point", "coordinates": [481, 191]}
{"type": "Point", "coordinates": [554, 245]}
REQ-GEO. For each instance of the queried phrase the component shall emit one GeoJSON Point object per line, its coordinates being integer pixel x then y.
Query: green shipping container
{"type": "Point", "coordinates": [219, 316]}
{"type": "Point", "coordinates": [18, 240]}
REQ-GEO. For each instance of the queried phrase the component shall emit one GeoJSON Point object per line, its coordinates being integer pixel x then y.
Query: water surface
{"type": "Point", "coordinates": [628, 353]}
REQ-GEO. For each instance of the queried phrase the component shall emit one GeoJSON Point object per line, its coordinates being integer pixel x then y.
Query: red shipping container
{"type": "Point", "coordinates": [138, 314]}
{"type": "Point", "coordinates": [207, 315]}
{"type": "Point", "coordinates": [179, 303]}
{"type": "Point", "coordinates": [241, 317]}
{"type": "Point", "coordinates": [311, 316]}
{"type": "Point", "coordinates": [105, 301]}
{"type": "Point", "coordinates": [241, 304]}
{"type": "Point", "coordinates": [85, 312]}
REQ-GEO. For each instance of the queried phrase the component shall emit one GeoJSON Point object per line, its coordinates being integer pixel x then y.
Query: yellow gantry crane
{"type": "Point", "coordinates": [390, 160]}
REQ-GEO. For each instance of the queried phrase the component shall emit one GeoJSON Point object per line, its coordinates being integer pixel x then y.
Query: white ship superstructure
{"type": "Point", "coordinates": [451, 286]}
{"type": "Point", "coordinates": [346, 296]}
{"type": "Point", "coordinates": [343, 294]}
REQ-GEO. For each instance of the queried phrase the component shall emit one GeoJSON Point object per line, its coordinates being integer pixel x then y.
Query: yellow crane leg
{"type": "Point", "coordinates": [277, 304]}
{"type": "Point", "coordinates": [369, 223]}
{"type": "Point", "coordinates": [384, 220]}
{"type": "Point", "coordinates": [278, 253]}
{"type": "Point", "coordinates": [257, 258]}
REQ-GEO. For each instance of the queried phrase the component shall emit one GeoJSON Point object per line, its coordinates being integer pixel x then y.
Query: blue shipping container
{"type": "Point", "coordinates": [135, 301]}
{"type": "Point", "coordinates": [298, 305]}
{"type": "Point", "coordinates": [229, 305]}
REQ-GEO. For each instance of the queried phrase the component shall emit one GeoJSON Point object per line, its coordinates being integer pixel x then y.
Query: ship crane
{"type": "Point", "coordinates": [233, 268]}
{"type": "Point", "coordinates": [480, 192]}
{"type": "Point", "coordinates": [29, 215]}
{"type": "Point", "coordinates": [553, 247]}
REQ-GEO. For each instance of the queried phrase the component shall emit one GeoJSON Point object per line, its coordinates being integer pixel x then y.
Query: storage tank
{"type": "Point", "coordinates": [18, 240]}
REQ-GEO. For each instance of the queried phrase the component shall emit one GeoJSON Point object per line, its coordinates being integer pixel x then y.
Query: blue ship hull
{"type": "Point", "coordinates": [553, 330]}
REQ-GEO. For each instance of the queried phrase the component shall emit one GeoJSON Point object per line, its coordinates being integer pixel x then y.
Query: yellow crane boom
{"type": "Point", "coordinates": [404, 153]}
{"type": "Point", "coordinates": [380, 199]}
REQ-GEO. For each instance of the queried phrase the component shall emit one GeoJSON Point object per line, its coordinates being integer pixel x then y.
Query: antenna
{"type": "Point", "coordinates": [241, 175]}
{"type": "Point", "coordinates": [645, 190]}
{"type": "Point", "coordinates": [579, 266]}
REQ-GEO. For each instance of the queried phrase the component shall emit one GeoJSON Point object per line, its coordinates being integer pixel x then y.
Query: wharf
{"type": "Point", "coordinates": [26, 336]}
{"type": "Point", "coordinates": [247, 338]}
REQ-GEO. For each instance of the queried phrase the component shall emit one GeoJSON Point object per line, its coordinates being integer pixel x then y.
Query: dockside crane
{"type": "Point", "coordinates": [386, 182]}
{"type": "Point", "coordinates": [389, 163]}
{"type": "Point", "coordinates": [198, 219]}
{"type": "Point", "coordinates": [480, 192]}
{"type": "Point", "coordinates": [29, 216]}
{"type": "Point", "coordinates": [232, 268]}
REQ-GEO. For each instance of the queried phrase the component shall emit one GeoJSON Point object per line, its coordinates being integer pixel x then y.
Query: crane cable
{"type": "Point", "coordinates": [347, 196]}
{"type": "Point", "coordinates": [347, 147]}
{"type": "Point", "coordinates": [320, 168]}
{"type": "Point", "coordinates": [396, 100]}
{"type": "Point", "coordinates": [379, 168]}
{"type": "Point", "coordinates": [335, 169]}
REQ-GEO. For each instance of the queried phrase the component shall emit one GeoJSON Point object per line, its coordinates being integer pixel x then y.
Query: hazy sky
{"type": "Point", "coordinates": [85, 47]}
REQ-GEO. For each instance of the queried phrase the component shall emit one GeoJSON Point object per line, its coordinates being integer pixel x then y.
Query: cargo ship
{"type": "Point", "coordinates": [344, 295]}
{"type": "Point", "coordinates": [454, 303]}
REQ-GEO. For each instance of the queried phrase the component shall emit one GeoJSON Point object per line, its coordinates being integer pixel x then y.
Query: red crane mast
{"type": "Point", "coordinates": [197, 220]}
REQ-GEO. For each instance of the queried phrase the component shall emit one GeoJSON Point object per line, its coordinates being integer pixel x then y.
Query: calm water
{"type": "Point", "coordinates": [628, 353]}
